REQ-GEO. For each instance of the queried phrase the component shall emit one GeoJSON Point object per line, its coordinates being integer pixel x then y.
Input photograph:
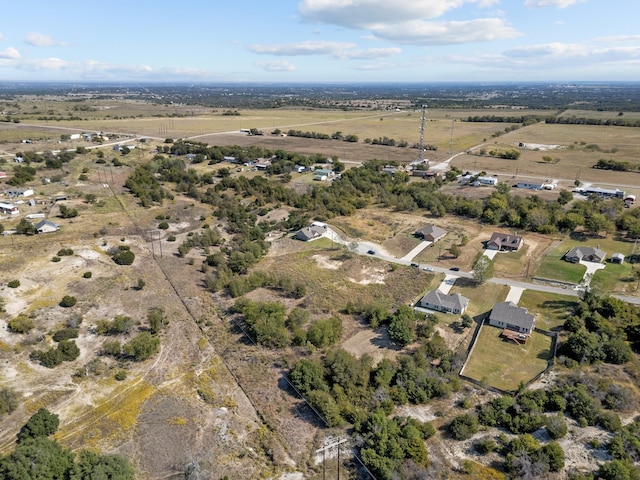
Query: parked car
{"type": "Point", "coordinates": [455, 269]}
{"type": "Point", "coordinates": [371, 252]}
{"type": "Point", "coordinates": [415, 265]}
{"type": "Point", "coordinates": [428, 269]}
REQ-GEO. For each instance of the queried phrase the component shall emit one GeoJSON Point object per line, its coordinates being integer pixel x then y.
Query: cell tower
{"type": "Point", "coordinates": [423, 119]}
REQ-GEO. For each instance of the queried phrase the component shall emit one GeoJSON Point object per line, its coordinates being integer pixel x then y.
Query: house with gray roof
{"type": "Point", "coordinates": [430, 233]}
{"type": "Point", "coordinates": [46, 226]}
{"type": "Point", "coordinates": [509, 316]}
{"type": "Point", "coordinates": [443, 302]}
{"type": "Point", "coordinates": [585, 254]}
{"type": "Point", "coordinates": [312, 232]}
{"type": "Point", "coordinates": [505, 242]}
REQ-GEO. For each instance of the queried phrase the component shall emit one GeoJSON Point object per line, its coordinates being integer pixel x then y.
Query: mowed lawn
{"type": "Point", "coordinates": [555, 267]}
{"type": "Point", "coordinates": [504, 364]}
{"type": "Point", "coordinates": [551, 309]}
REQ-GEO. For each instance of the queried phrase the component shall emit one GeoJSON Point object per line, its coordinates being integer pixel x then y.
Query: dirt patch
{"type": "Point", "coordinates": [375, 343]}
{"type": "Point", "coordinates": [324, 262]}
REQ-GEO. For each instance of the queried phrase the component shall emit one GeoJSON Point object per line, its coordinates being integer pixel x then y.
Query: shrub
{"type": "Point", "coordinates": [8, 400]}
{"type": "Point", "coordinates": [20, 324]}
{"type": "Point", "coordinates": [55, 259]}
{"type": "Point", "coordinates": [68, 301]}
{"type": "Point", "coordinates": [124, 257]}
{"type": "Point", "coordinates": [163, 225]}
{"type": "Point", "coordinates": [69, 350]}
{"type": "Point", "coordinates": [42, 424]}
{"type": "Point", "coordinates": [64, 252]}
{"type": "Point", "coordinates": [121, 375]}
{"type": "Point", "coordinates": [13, 284]}
{"type": "Point", "coordinates": [87, 275]}
{"type": "Point", "coordinates": [463, 426]}
{"type": "Point", "coordinates": [112, 348]}
{"type": "Point", "coordinates": [142, 347]}
{"type": "Point", "coordinates": [65, 334]}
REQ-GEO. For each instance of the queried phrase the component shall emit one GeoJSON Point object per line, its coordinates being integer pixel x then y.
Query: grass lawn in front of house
{"type": "Point", "coordinates": [482, 298]}
{"type": "Point", "coordinates": [616, 278]}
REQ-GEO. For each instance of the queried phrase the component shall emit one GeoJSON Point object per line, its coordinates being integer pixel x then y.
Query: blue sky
{"type": "Point", "coordinates": [320, 40]}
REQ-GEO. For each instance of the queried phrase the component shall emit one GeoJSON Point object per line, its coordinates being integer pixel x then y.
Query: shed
{"type": "Point", "coordinates": [617, 258]}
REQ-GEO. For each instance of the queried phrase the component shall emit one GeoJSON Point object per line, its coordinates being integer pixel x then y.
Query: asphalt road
{"type": "Point", "coordinates": [363, 248]}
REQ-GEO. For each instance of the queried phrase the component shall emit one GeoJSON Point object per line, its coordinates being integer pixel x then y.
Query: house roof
{"type": "Point", "coordinates": [618, 255]}
{"type": "Point", "coordinates": [47, 223]}
{"type": "Point", "coordinates": [433, 230]}
{"type": "Point", "coordinates": [313, 231]}
{"type": "Point", "coordinates": [506, 240]}
{"type": "Point", "coordinates": [582, 252]}
{"type": "Point", "coordinates": [511, 314]}
{"type": "Point", "coordinates": [450, 302]}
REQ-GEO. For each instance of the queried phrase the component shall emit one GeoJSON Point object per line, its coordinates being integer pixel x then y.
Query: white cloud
{"type": "Point", "coordinates": [369, 53]}
{"type": "Point", "coordinates": [548, 50]}
{"type": "Point", "coordinates": [361, 13]}
{"type": "Point", "coordinates": [337, 50]}
{"type": "Point", "coordinates": [419, 32]}
{"type": "Point", "coordinates": [618, 39]}
{"type": "Point", "coordinates": [551, 3]}
{"type": "Point", "coordinates": [408, 21]}
{"type": "Point", "coordinates": [41, 40]}
{"type": "Point", "coordinates": [302, 48]}
{"type": "Point", "coordinates": [277, 66]}
{"type": "Point", "coordinates": [40, 64]}
{"type": "Point", "coordinates": [10, 53]}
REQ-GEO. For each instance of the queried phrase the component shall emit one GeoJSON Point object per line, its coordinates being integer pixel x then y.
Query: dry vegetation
{"type": "Point", "coordinates": [246, 422]}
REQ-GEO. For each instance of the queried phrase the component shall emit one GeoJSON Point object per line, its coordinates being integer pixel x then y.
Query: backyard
{"type": "Point", "coordinates": [504, 364]}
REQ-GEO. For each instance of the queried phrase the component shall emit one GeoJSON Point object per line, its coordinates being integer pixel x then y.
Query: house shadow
{"type": "Point", "coordinates": [465, 282]}
{"type": "Point", "coordinates": [578, 236]}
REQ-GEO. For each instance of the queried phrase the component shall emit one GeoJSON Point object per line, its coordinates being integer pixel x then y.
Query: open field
{"type": "Point", "coordinates": [551, 310]}
{"type": "Point", "coordinates": [504, 364]}
{"type": "Point", "coordinates": [252, 425]}
{"type": "Point", "coordinates": [616, 278]}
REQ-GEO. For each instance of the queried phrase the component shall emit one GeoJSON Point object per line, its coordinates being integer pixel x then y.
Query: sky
{"type": "Point", "coordinates": [320, 41]}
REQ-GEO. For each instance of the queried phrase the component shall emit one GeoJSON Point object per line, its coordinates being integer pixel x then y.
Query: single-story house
{"type": "Point", "coordinates": [46, 226]}
{"type": "Point", "coordinates": [586, 254]}
{"type": "Point", "coordinates": [430, 233]}
{"type": "Point", "coordinates": [617, 258]}
{"type": "Point", "coordinates": [443, 302]}
{"type": "Point", "coordinates": [19, 192]}
{"type": "Point", "coordinates": [9, 208]}
{"type": "Point", "coordinates": [505, 242]}
{"type": "Point", "coordinates": [424, 173]}
{"type": "Point", "coordinates": [262, 164]}
{"type": "Point", "coordinates": [312, 232]}
{"type": "Point", "coordinates": [509, 316]}
{"type": "Point", "coordinates": [493, 181]}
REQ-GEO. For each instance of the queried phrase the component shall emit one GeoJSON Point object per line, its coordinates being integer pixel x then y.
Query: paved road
{"type": "Point", "coordinates": [363, 248]}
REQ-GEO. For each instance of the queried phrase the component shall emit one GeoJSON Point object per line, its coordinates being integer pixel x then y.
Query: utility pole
{"type": "Point", "coordinates": [324, 450]}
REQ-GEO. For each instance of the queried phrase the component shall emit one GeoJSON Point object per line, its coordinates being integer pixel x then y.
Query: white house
{"type": "Point", "coordinates": [46, 226]}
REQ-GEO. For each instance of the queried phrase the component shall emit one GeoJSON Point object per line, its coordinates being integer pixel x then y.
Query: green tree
{"type": "Point", "coordinates": [483, 269]}
{"type": "Point", "coordinates": [41, 424]}
{"type": "Point", "coordinates": [402, 326]}
{"type": "Point", "coordinates": [25, 227]}
{"type": "Point", "coordinates": [37, 459]}
{"type": "Point", "coordinates": [142, 347]}
{"type": "Point", "coordinates": [463, 426]}
{"type": "Point", "coordinates": [323, 333]}
{"type": "Point", "coordinates": [93, 466]}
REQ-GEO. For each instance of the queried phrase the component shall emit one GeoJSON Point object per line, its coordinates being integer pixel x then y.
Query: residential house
{"type": "Point", "coordinates": [585, 254]}
{"type": "Point", "coordinates": [262, 164]}
{"type": "Point", "coordinates": [19, 192]}
{"type": "Point", "coordinates": [46, 226]}
{"type": "Point", "coordinates": [9, 208]}
{"type": "Point", "coordinates": [430, 233]}
{"type": "Point", "coordinates": [312, 232]}
{"type": "Point", "coordinates": [505, 242]}
{"type": "Point", "coordinates": [492, 181]}
{"type": "Point", "coordinates": [443, 302]}
{"type": "Point", "coordinates": [603, 192]}
{"type": "Point", "coordinates": [509, 316]}
{"type": "Point", "coordinates": [322, 174]}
